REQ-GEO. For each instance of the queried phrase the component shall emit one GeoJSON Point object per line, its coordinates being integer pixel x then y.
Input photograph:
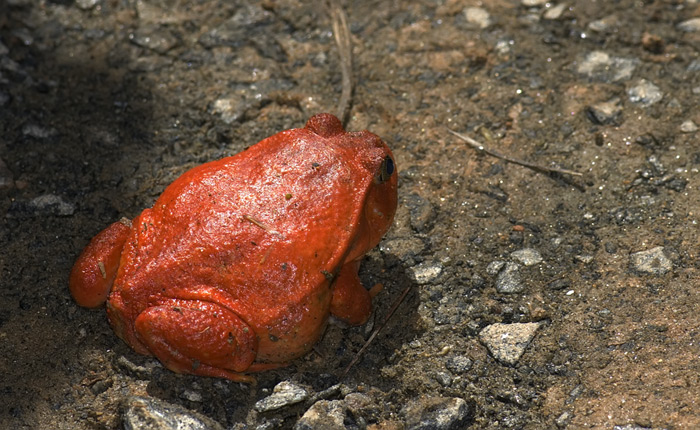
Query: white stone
{"type": "Point", "coordinates": [507, 342]}
{"type": "Point", "coordinates": [425, 273]}
{"type": "Point", "coordinates": [689, 126]}
{"type": "Point", "coordinates": [478, 17]}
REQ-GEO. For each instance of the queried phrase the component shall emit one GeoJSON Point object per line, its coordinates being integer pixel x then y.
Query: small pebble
{"type": "Point", "coordinates": [86, 4]}
{"type": "Point", "coordinates": [555, 11]}
{"type": "Point", "coordinates": [689, 126]}
{"type": "Point", "coordinates": [443, 378]}
{"type": "Point", "coordinates": [284, 394]}
{"type": "Point", "coordinates": [645, 93]}
{"type": "Point", "coordinates": [37, 131]}
{"type": "Point", "coordinates": [604, 25]}
{"type": "Point", "coordinates": [477, 17]}
{"type": "Point", "coordinates": [150, 413]}
{"type": "Point", "coordinates": [508, 280]}
{"type": "Point", "coordinates": [690, 25]}
{"type": "Point", "coordinates": [534, 3]}
{"type": "Point", "coordinates": [438, 413]}
{"type": "Point", "coordinates": [652, 261]}
{"type": "Point", "coordinates": [605, 113]}
{"type": "Point", "coordinates": [507, 342]}
{"type": "Point", "coordinates": [494, 267]}
{"type": "Point", "coordinates": [527, 256]}
{"type": "Point", "coordinates": [324, 414]}
{"type": "Point", "coordinates": [48, 204]}
{"type": "Point", "coordinates": [426, 272]}
{"type": "Point", "coordinates": [357, 401]}
{"type": "Point", "coordinates": [157, 39]}
{"type": "Point", "coordinates": [601, 66]}
{"type": "Point", "coordinates": [584, 258]}
{"type": "Point", "coordinates": [458, 364]}
{"type": "Point", "coordinates": [563, 420]}
{"type": "Point", "coordinates": [242, 100]}
{"type": "Point", "coordinates": [191, 395]}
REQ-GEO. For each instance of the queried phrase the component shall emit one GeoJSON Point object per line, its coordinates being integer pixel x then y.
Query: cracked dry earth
{"type": "Point", "coordinates": [536, 300]}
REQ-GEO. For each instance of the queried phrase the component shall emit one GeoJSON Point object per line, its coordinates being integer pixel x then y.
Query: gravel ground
{"type": "Point", "coordinates": [537, 298]}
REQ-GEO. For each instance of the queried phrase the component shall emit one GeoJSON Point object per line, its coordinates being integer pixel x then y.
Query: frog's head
{"type": "Point", "coordinates": [376, 180]}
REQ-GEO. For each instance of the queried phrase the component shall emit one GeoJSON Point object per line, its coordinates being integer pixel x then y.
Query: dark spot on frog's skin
{"type": "Point", "coordinates": [274, 338]}
{"type": "Point", "coordinates": [315, 165]}
{"type": "Point", "coordinates": [284, 266]}
{"type": "Point", "coordinates": [328, 275]}
{"type": "Point", "coordinates": [177, 309]}
{"type": "Point", "coordinates": [288, 196]}
{"type": "Point", "coordinates": [230, 338]}
{"type": "Point", "coordinates": [253, 243]}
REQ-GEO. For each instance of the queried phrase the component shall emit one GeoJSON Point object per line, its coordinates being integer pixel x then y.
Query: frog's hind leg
{"type": "Point", "coordinates": [198, 337]}
{"type": "Point", "coordinates": [93, 273]}
{"type": "Point", "coordinates": [351, 302]}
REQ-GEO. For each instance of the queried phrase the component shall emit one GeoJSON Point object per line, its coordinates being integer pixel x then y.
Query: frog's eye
{"type": "Point", "coordinates": [385, 170]}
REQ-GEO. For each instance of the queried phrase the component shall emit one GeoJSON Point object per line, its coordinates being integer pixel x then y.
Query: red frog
{"type": "Point", "coordinates": [239, 263]}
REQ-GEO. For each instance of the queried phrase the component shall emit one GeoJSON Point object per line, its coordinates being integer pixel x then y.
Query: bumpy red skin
{"type": "Point", "coordinates": [239, 263]}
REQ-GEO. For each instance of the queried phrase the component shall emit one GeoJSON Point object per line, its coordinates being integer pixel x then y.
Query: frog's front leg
{"type": "Point", "coordinates": [351, 302]}
{"type": "Point", "coordinates": [94, 271]}
{"type": "Point", "coordinates": [198, 337]}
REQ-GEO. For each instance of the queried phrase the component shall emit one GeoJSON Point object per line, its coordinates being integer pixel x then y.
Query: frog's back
{"type": "Point", "coordinates": [266, 226]}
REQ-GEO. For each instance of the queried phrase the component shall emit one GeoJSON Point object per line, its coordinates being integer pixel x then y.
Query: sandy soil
{"type": "Point", "coordinates": [104, 102]}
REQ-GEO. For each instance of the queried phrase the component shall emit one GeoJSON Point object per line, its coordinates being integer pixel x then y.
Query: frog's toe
{"type": "Point", "coordinates": [197, 337]}
{"type": "Point", "coordinates": [94, 272]}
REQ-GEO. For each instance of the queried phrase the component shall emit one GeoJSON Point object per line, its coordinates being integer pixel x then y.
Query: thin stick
{"type": "Point", "coordinates": [261, 225]}
{"type": "Point", "coordinates": [376, 332]}
{"type": "Point", "coordinates": [481, 148]}
{"type": "Point", "coordinates": [341, 32]}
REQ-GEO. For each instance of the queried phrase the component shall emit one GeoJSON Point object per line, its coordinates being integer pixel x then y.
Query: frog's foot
{"type": "Point", "coordinates": [198, 337]}
{"type": "Point", "coordinates": [94, 272]}
{"type": "Point", "coordinates": [351, 302]}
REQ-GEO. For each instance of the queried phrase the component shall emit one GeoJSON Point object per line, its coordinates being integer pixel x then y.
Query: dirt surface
{"type": "Point", "coordinates": [103, 103]}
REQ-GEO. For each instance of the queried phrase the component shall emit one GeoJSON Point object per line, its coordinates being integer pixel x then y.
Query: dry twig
{"type": "Point", "coordinates": [376, 332]}
{"type": "Point", "coordinates": [341, 31]}
{"type": "Point", "coordinates": [536, 167]}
